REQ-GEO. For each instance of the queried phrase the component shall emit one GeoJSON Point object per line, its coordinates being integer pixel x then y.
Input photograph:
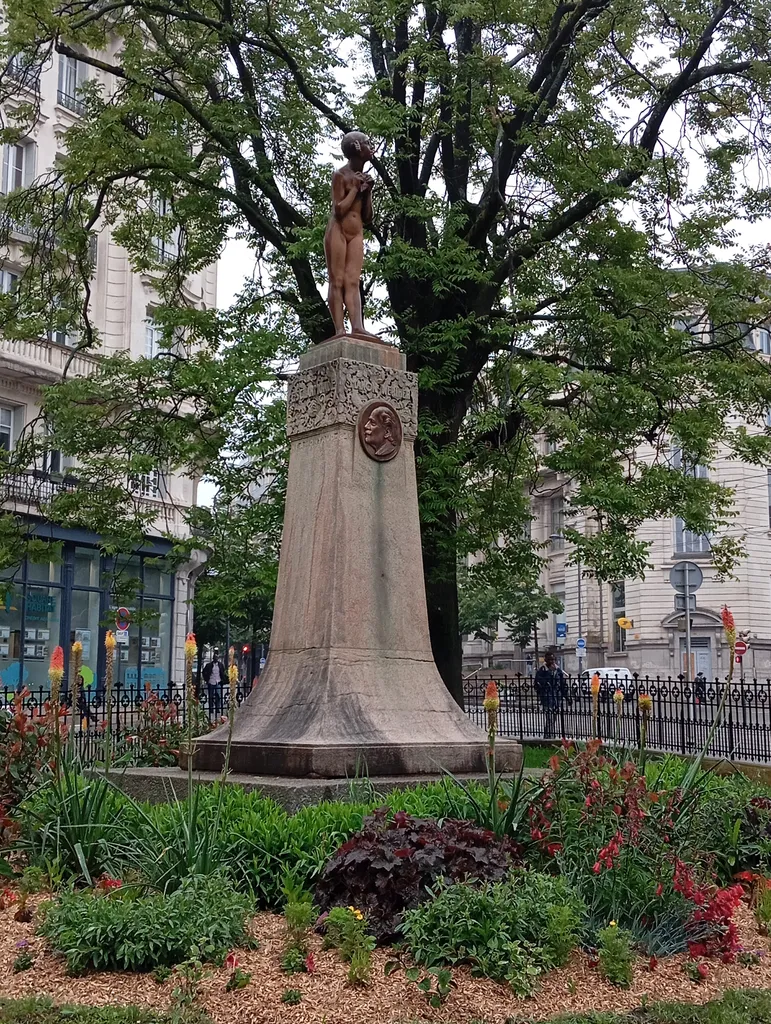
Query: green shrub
{"type": "Point", "coordinates": [291, 996]}
{"type": "Point", "coordinates": [123, 930]}
{"type": "Point", "coordinates": [293, 961]}
{"type": "Point", "coordinates": [79, 827]}
{"type": "Point", "coordinates": [492, 925]}
{"type": "Point", "coordinates": [41, 1010]}
{"type": "Point", "coordinates": [299, 914]}
{"type": "Point", "coordinates": [616, 955]}
{"type": "Point", "coordinates": [345, 929]}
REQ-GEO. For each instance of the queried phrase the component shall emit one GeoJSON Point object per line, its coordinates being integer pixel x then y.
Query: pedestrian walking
{"type": "Point", "coordinates": [550, 689]}
{"type": "Point", "coordinates": [214, 675]}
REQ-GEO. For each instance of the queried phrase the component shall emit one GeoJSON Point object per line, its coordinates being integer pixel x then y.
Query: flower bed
{"type": "Point", "coordinates": [326, 994]}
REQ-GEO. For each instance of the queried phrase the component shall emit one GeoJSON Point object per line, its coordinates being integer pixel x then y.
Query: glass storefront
{"type": "Point", "coordinates": [76, 598]}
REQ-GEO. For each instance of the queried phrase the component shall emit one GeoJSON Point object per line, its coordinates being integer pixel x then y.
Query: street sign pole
{"type": "Point", "coordinates": [687, 623]}
{"type": "Point", "coordinates": [580, 615]}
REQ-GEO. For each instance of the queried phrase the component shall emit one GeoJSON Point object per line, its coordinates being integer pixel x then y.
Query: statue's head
{"type": "Point", "coordinates": [380, 428]}
{"type": "Point", "coordinates": [357, 144]}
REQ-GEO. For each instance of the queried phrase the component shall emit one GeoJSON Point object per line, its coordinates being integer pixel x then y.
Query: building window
{"type": "Point", "coordinates": [23, 72]}
{"type": "Point", "coordinates": [689, 469]}
{"type": "Point", "coordinates": [6, 428]}
{"type": "Point", "coordinates": [769, 496]}
{"type": "Point", "coordinates": [764, 342]}
{"type": "Point", "coordinates": [558, 617]}
{"type": "Point", "coordinates": [689, 543]}
{"type": "Point", "coordinates": [166, 245]}
{"type": "Point", "coordinates": [154, 340]}
{"type": "Point", "coordinates": [18, 166]}
{"type": "Point", "coordinates": [8, 281]}
{"type": "Point", "coordinates": [618, 611]}
{"type": "Point", "coordinates": [52, 461]}
{"type": "Point", "coordinates": [72, 75]}
{"type": "Point", "coordinates": [557, 523]}
{"type": "Point", "coordinates": [153, 335]}
{"type": "Point", "coordinates": [147, 485]}
{"type": "Point", "coordinates": [62, 337]}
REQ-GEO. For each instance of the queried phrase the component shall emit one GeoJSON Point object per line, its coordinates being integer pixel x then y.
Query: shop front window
{"type": "Point", "coordinates": [12, 673]}
{"type": "Point", "coordinates": [44, 572]}
{"type": "Point", "coordinates": [42, 610]}
{"type": "Point", "coordinates": [86, 567]}
{"type": "Point", "coordinates": [156, 644]}
{"type": "Point", "coordinates": [156, 581]}
{"type": "Point", "coordinates": [126, 669]}
{"type": "Point", "coordinates": [84, 627]}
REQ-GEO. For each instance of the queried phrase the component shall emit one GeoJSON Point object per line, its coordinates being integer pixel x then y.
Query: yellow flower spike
{"type": "Point", "coordinates": [645, 702]}
{"type": "Point", "coordinates": [77, 647]}
{"type": "Point", "coordinates": [612, 924]}
{"type": "Point", "coordinates": [618, 697]}
{"type": "Point", "coordinates": [191, 647]}
{"type": "Point", "coordinates": [109, 640]}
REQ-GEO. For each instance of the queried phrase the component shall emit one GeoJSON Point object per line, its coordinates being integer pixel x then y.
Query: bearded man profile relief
{"type": "Point", "coordinates": [380, 431]}
{"type": "Point", "coordinates": [344, 238]}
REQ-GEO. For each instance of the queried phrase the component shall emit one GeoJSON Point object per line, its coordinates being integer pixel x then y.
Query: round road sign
{"type": "Point", "coordinates": [741, 648]}
{"type": "Point", "coordinates": [122, 619]}
{"type": "Point", "coordinates": [677, 576]}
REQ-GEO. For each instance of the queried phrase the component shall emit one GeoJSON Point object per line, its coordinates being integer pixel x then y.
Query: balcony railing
{"type": "Point", "coordinates": [71, 102]}
{"type": "Point", "coordinates": [25, 75]}
{"type": "Point", "coordinates": [46, 357]}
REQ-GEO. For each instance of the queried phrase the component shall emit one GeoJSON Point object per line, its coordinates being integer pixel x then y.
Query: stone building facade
{"type": "Point", "coordinates": [656, 642]}
{"type": "Point", "coordinates": [69, 599]}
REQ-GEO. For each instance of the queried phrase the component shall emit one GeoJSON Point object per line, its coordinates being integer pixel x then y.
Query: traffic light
{"type": "Point", "coordinates": [246, 648]}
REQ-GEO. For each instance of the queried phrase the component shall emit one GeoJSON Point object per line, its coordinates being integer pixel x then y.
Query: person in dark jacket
{"type": "Point", "coordinates": [550, 689]}
{"type": "Point", "coordinates": [214, 675]}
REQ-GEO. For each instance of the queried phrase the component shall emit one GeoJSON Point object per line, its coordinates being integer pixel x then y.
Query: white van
{"type": "Point", "coordinates": [611, 679]}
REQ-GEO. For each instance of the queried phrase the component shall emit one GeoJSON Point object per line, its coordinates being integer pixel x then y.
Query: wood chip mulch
{"type": "Point", "coordinates": [328, 999]}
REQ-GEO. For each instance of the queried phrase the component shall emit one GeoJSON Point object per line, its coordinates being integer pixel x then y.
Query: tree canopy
{"type": "Point", "coordinates": [559, 188]}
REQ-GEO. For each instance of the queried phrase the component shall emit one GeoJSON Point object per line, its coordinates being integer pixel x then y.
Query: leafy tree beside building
{"type": "Point", "coordinates": [554, 183]}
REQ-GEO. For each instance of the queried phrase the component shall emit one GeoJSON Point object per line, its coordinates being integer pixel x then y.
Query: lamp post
{"type": "Point", "coordinates": [559, 536]}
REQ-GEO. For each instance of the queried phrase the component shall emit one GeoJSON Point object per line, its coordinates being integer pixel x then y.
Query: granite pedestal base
{"type": "Point", "coordinates": [350, 684]}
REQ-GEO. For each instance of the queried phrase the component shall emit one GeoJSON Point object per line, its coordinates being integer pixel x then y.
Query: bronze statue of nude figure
{"type": "Point", "coordinates": [344, 238]}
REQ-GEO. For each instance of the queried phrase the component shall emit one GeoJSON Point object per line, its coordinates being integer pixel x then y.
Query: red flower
{"type": "Point", "coordinates": [703, 970]}
{"type": "Point", "coordinates": [653, 963]}
{"type": "Point", "coordinates": [108, 883]}
{"type": "Point", "coordinates": [231, 962]}
{"type": "Point", "coordinates": [659, 889]}
{"type": "Point", "coordinates": [310, 964]}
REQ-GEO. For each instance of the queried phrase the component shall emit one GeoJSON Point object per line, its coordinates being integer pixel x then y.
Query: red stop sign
{"type": "Point", "coordinates": [740, 649]}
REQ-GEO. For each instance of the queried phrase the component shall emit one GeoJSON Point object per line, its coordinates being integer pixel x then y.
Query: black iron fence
{"type": "Point", "coordinates": [145, 726]}
{"type": "Point", "coordinates": [681, 716]}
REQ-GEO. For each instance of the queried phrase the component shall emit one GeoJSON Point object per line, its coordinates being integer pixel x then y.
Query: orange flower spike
{"type": "Point", "coordinates": [595, 684]}
{"type": "Point", "coordinates": [56, 673]}
{"type": "Point", "coordinates": [645, 703]}
{"type": "Point", "coordinates": [492, 701]}
{"type": "Point", "coordinates": [729, 626]}
{"type": "Point", "coordinates": [56, 668]}
{"type": "Point", "coordinates": [191, 647]}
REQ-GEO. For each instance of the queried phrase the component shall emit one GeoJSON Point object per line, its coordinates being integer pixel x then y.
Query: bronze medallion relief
{"type": "Point", "coordinates": [380, 431]}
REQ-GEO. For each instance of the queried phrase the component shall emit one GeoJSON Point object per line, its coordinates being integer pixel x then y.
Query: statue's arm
{"type": "Point", "coordinates": [366, 206]}
{"type": "Point", "coordinates": [343, 197]}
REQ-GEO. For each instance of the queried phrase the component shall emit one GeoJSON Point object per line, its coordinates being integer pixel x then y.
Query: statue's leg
{"type": "Point", "coordinates": [335, 247]}
{"type": "Point", "coordinates": [354, 261]}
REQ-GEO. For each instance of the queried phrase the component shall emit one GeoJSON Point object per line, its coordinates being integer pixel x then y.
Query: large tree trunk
{"type": "Point", "coordinates": [441, 573]}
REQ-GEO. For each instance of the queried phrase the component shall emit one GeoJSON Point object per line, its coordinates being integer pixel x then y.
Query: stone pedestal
{"type": "Point", "coordinates": [350, 684]}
